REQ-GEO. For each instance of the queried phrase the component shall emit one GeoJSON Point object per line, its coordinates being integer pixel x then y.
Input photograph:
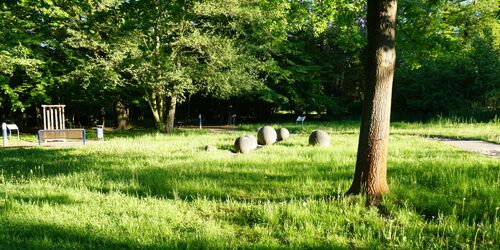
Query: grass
{"type": "Point", "coordinates": [150, 190]}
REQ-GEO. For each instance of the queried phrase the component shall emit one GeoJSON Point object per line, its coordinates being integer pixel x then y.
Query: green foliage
{"type": "Point", "coordinates": [448, 58]}
{"type": "Point", "coordinates": [184, 47]}
{"type": "Point", "coordinates": [22, 82]}
{"type": "Point", "coordinates": [319, 64]}
{"type": "Point", "coordinates": [298, 56]}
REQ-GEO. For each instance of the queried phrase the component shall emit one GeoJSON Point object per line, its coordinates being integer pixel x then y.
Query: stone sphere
{"type": "Point", "coordinates": [319, 138]}
{"type": "Point", "coordinates": [267, 135]}
{"type": "Point", "coordinates": [245, 144]}
{"type": "Point", "coordinates": [283, 134]}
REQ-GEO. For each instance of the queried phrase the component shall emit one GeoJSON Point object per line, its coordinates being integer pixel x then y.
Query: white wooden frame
{"type": "Point", "coordinates": [53, 117]}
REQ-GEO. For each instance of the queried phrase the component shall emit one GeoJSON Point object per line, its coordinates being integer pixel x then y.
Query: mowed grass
{"type": "Point", "coordinates": [150, 190]}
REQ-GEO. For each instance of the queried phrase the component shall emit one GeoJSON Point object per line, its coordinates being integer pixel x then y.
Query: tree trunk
{"type": "Point", "coordinates": [103, 115]}
{"type": "Point", "coordinates": [169, 126]}
{"type": "Point", "coordinates": [121, 116]}
{"type": "Point", "coordinates": [370, 176]}
{"type": "Point", "coordinates": [155, 100]}
{"type": "Point", "coordinates": [158, 96]}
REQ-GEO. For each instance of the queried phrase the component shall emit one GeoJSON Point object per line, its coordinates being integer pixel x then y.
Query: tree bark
{"type": "Point", "coordinates": [155, 99]}
{"type": "Point", "coordinates": [121, 116]}
{"type": "Point", "coordinates": [169, 126]}
{"type": "Point", "coordinates": [370, 176]}
{"type": "Point", "coordinates": [158, 92]}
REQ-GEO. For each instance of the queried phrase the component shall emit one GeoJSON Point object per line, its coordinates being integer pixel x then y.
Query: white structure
{"type": "Point", "coordinates": [4, 134]}
{"type": "Point", "coordinates": [53, 117]}
{"type": "Point", "coordinates": [11, 127]}
{"type": "Point", "coordinates": [301, 119]}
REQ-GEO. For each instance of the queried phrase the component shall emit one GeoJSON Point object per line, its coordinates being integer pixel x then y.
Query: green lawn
{"type": "Point", "coordinates": [150, 190]}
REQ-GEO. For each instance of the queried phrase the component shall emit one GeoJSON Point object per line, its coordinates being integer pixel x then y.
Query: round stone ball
{"type": "Point", "coordinates": [283, 134]}
{"type": "Point", "coordinates": [266, 135]}
{"type": "Point", "coordinates": [319, 138]}
{"type": "Point", "coordinates": [245, 144]}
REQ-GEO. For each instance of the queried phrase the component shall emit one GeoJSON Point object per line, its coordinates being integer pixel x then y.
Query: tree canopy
{"type": "Point", "coordinates": [253, 57]}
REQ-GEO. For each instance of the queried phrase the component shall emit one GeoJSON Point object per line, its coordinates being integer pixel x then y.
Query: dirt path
{"type": "Point", "coordinates": [485, 148]}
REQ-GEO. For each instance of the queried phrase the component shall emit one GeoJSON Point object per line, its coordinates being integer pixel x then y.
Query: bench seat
{"type": "Point", "coordinates": [61, 134]}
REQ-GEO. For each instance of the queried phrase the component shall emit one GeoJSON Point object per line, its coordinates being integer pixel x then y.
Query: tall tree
{"type": "Point", "coordinates": [181, 47]}
{"type": "Point", "coordinates": [448, 59]}
{"type": "Point", "coordinates": [370, 176]}
{"type": "Point", "coordinates": [23, 83]}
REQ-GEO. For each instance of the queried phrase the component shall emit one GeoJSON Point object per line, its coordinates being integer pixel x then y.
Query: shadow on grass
{"type": "Point", "coordinates": [239, 185]}
{"type": "Point", "coordinates": [23, 235]}
{"type": "Point", "coordinates": [427, 188]}
{"type": "Point", "coordinates": [21, 163]}
{"type": "Point", "coordinates": [58, 199]}
{"type": "Point", "coordinates": [241, 181]}
{"type": "Point", "coordinates": [16, 234]}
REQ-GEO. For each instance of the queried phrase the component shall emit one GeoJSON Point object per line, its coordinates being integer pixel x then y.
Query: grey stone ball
{"type": "Point", "coordinates": [245, 144]}
{"type": "Point", "coordinates": [319, 138]}
{"type": "Point", "coordinates": [283, 134]}
{"type": "Point", "coordinates": [267, 135]}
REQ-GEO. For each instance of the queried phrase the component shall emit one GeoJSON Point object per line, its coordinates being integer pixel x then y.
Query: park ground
{"type": "Point", "coordinates": [144, 189]}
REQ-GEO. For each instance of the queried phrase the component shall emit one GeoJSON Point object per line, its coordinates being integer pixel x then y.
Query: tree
{"type": "Point", "coordinates": [319, 66]}
{"type": "Point", "coordinates": [448, 60]}
{"type": "Point", "coordinates": [182, 47]}
{"type": "Point", "coordinates": [370, 176]}
{"type": "Point", "coordinates": [57, 52]}
{"type": "Point", "coordinates": [23, 83]}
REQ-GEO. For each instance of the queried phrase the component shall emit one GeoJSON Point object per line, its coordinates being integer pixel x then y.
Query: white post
{"type": "Point", "coordinates": [56, 117]}
{"type": "Point", "coordinates": [199, 117]}
{"type": "Point", "coordinates": [59, 114]}
{"type": "Point", "coordinates": [4, 134]}
{"type": "Point", "coordinates": [44, 118]}
{"type": "Point", "coordinates": [49, 120]}
{"type": "Point", "coordinates": [63, 119]}
{"type": "Point", "coordinates": [51, 110]}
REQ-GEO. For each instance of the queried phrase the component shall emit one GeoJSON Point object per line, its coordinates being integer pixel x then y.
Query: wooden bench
{"type": "Point", "coordinates": [61, 135]}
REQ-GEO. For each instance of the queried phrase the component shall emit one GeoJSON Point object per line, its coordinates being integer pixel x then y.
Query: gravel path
{"type": "Point", "coordinates": [485, 148]}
